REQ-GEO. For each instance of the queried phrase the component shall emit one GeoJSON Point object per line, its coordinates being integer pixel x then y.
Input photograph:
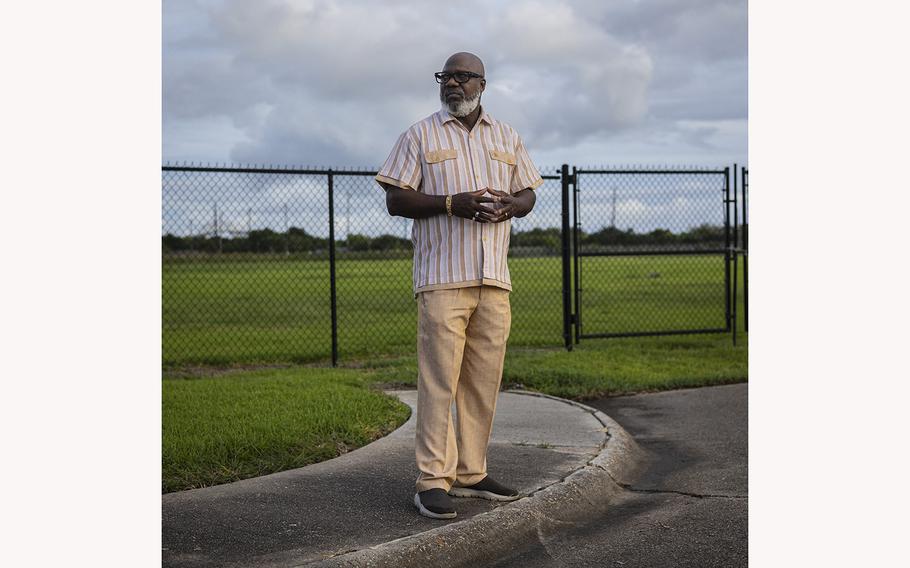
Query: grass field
{"type": "Point", "coordinates": [222, 311]}
{"type": "Point", "coordinates": [221, 425]}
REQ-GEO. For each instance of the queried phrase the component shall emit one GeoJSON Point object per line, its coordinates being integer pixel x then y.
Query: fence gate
{"type": "Point", "coordinates": [652, 252]}
{"type": "Point", "coordinates": [744, 246]}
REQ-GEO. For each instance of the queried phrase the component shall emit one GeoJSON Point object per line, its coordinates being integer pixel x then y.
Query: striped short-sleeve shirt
{"type": "Point", "coordinates": [439, 156]}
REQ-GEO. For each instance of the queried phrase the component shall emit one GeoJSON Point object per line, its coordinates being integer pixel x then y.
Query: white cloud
{"type": "Point", "coordinates": [333, 82]}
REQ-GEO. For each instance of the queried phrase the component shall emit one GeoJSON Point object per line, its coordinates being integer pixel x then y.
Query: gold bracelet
{"type": "Point", "coordinates": [449, 205]}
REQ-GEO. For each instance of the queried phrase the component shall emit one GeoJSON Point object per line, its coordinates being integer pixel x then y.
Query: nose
{"type": "Point", "coordinates": [451, 81]}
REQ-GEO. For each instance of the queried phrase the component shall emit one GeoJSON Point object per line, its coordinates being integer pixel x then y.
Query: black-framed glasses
{"type": "Point", "coordinates": [461, 77]}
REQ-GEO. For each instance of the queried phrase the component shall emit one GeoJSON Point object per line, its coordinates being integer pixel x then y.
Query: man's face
{"type": "Point", "coordinates": [455, 95]}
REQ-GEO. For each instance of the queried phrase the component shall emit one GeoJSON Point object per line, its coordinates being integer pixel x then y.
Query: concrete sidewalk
{"type": "Point", "coordinates": [357, 509]}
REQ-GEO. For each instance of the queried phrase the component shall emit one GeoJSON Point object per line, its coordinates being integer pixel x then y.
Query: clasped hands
{"type": "Point", "coordinates": [469, 205]}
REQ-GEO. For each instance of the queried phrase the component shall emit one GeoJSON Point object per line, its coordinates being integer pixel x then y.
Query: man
{"type": "Point", "coordinates": [461, 175]}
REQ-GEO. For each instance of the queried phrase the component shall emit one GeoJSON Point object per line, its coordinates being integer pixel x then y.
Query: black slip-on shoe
{"type": "Point", "coordinates": [486, 488]}
{"type": "Point", "coordinates": [434, 503]}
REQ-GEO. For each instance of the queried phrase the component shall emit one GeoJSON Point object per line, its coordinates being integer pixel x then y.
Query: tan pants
{"type": "Point", "coordinates": [461, 345]}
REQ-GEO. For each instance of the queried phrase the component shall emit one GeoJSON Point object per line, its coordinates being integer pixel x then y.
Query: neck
{"type": "Point", "coordinates": [470, 120]}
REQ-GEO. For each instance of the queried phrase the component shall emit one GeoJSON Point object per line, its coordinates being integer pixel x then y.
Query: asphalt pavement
{"type": "Point", "coordinates": [689, 507]}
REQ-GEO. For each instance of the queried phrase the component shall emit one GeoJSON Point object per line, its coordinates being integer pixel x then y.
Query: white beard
{"type": "Point", "coordinates": [462, 108]}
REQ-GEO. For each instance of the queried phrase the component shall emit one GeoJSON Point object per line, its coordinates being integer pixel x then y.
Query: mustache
{"type": "Point", "coordinates": [467, 99]}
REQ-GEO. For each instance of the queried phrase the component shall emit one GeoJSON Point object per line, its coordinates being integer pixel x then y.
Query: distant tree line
{"type": "Point", "coordinates": [611, 236]}
{"type": "Point", "coordinates": [296, 240]}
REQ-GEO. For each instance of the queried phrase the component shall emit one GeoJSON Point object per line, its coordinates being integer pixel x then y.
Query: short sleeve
{"type": "Point", "coordinates": [402, 167]}
{"type": "Point", "coordinates": [525, 174]}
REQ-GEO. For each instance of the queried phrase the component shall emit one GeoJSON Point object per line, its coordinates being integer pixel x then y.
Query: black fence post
{"type": "Point", "coordinates": [735, 249]}
{"type": "Point", "coordinates": [745, 230]}
{"type": "Point", "coordinates": [332, 268]}
{"type": "Point", "coordinates": [729, 316]}
{"type": "Point", "coordinates": [566, 277]}
{"type": "Point", "coordinates": [576, 229]}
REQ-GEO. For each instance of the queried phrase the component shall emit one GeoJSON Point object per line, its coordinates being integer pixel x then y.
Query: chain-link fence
{"type": "Point", "coordinates": [652, 252]}
{"type": "Point", "coordinates": [291, 265]}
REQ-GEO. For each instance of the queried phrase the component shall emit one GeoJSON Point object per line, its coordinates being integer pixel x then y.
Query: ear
{"type": "Point", "coordinates": [483, 85]}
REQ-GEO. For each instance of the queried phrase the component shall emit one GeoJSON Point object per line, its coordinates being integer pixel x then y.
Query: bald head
{"type": "Point", "coordinates": [462, 99]}
{"type": "Point", "coordinates": [464, 61]}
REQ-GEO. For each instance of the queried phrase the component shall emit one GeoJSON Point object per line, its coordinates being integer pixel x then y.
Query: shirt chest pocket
{"type": "Point", "coordinates": [438, 156]}
{"type": "Point", "coordinates": [505, 158]}
{"type": "Point", "coordinates": [503, 168]}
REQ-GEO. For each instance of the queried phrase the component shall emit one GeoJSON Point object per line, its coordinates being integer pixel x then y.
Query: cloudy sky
{"type": "Point", "coordinates": [333, 82]}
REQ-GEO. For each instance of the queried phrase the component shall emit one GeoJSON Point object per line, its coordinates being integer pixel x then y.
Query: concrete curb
{"type": "Point", "coordinates": [492, 535]}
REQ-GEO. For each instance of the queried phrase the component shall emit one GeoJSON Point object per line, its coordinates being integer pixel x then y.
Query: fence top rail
{"type": "Point", "coordinates": [351, 172]}
{"type": "Point", "coordinates": [651, 171]}
{"type": "Point", "coordinates": [263, 170]}
{"type": "Point", "coordinates": [373, 172]}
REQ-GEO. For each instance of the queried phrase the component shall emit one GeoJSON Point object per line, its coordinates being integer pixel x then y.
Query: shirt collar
{"type": "Point", "coordinates": [484, 117]}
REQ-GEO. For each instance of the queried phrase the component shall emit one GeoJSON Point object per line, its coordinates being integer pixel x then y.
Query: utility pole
{"type": "Point", "coordinates": [613, 210]}
{"type": "Point", "coordinates": [287, 229]}
{"type": "Point", "coordinates": [347, 214]}
{"type": "Point", "coordinates": [217, 231]}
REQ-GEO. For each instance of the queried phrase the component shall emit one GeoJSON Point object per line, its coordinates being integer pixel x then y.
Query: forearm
{"type": "Point", "coordinates": [413, 204]}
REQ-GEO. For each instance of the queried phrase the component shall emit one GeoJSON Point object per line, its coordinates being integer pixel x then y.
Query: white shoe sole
{"type": "Point", "coordinates": [428, 513]}
{"type": "Point", "coordinates": [464, 492]}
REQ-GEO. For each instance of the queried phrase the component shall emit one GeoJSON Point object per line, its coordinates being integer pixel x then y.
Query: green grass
{"type": "Point", "coordinates": [597, 368]}
{"type": "Point", "coordinates": [273, 309]}
{"type": "Point", "coordinates": [221, 426]}
{"type": "Point", "coordinates": [235, 426]}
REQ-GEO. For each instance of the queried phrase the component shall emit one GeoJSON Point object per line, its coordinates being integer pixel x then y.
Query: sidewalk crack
{"type": "Point", "coordinates": [685, 493]}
